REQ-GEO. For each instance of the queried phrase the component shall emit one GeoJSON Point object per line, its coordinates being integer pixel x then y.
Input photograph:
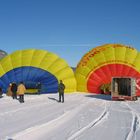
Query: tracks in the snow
{"type": "Point", "coordinates": [135, 125]}
{"type": "Point", "coordinates": [52, 124]}
{"type": "Point", "coordinates": [99, 120]}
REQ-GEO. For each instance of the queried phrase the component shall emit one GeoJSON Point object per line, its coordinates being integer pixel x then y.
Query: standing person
{"type": "Point", "coordinates": [61, 88]}
{"type": "Point", "coordinates": [39, 87]}
{"type": "Point", "coordinates": [1, 92]}
{"type": "Point", "coordinates": [9, 92]}
{"type": "Point", "coordinates": [21, 90]}
{"type": "Point", "coordinates": [14, 90]}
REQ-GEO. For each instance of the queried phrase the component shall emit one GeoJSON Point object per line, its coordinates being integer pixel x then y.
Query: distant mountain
{"type": "Point", "coordinates": [73, 68]}
{"type": "Point", "coordinates": [2, 54]}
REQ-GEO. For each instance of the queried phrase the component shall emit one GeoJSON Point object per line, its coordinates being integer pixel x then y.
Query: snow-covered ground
{"type": "Point", "coordinates": [80, 117]}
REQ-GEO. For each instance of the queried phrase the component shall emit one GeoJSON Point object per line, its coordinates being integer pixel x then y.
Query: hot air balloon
{"type": "Point", "coordinates": [99, 65]}
{"type": "Point", "coordinates": [33, 66]}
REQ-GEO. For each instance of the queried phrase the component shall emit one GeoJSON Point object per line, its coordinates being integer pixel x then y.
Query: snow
{"type": "Point", "coordinates": [82, 116]}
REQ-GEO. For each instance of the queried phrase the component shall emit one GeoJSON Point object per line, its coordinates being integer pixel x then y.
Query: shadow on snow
{"type": "Point", "coordinates": [53, 99]}
{"type": "Point", "coordinates": [100, 96]}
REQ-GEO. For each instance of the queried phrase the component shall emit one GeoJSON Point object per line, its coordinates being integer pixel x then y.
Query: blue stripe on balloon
{"type": "Point", "coordinates": [30, 76]}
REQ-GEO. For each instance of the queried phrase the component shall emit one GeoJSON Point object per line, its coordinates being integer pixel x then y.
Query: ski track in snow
{"type": "Point", "coordinates": [69, 106]}
{"type": "Point", "coordinates": [23, 108]}
{"type": "Point", "coordinates": [74, 116]}
{"type": "Point", "coordinates": [51, 105]}
{"type": "Point", "coordinates": [135, 126]}
{"type": "Point", "coordinates": [55, 122]}
{"type": "Point", "coordinates": [94, 123]}
{"type": "Point", "coordinates": [30, 106]}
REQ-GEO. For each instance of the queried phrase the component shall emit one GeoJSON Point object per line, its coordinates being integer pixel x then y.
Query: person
{"type": "Point", "coordinates": [39, 87]}
{"type": "Point", "coordinates": [14, 90]}
{"type": "Point", "coordinates": [21, 91]}
{"type": "Point", "coordinates": [61, 88]}
{"type": "Point", "coordinates": [1, 92]}
{"type": "Point", "coordinates": [9, 92]}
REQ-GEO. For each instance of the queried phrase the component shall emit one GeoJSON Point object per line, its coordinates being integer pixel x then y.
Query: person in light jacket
{"type": "Point", "coordinates": [9, 92]}
{"type": "Point", "coordinates": [21, 90]}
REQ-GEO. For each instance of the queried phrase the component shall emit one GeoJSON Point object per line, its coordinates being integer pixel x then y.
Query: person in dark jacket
{"type": "Point", "coordinates": [39, 87]}
{"type": "Point", "coordinates": [61, 88]}
{"type": "Point", "coordinates": [1, 92]}
{"type": "Point", "coordinates": [14, 90]}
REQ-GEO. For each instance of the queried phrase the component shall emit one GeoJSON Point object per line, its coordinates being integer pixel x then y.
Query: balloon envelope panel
{"type": "Point", "coordinates": [30, 76]}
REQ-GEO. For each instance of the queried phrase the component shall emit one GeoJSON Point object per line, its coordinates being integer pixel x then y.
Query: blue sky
{"type": "Point", "coordinates": [69, 28]}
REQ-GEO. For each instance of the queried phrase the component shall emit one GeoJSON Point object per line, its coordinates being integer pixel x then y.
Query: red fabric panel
{"type": "Point", "coordinates": [104, 74]}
